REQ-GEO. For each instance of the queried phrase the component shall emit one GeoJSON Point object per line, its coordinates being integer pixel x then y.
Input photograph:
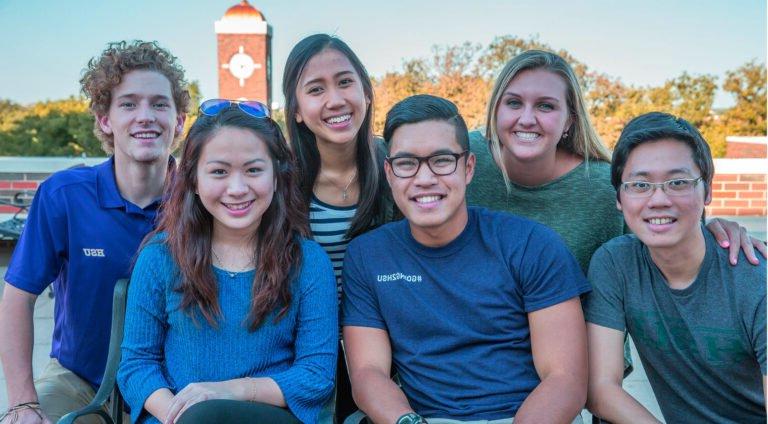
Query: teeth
{"type": "Point", "coordinates": [427, 199]}
{"type": "Point", "coordinates": [337, 119]}
{"type": "Point", "coordinates": [526, 135]}
{"type": "Point", "coordinates": [237, 206]}
{"type": "Point", "coordinates": [660, 221]}
{"type": "Point", "coordinates": [145, 135]}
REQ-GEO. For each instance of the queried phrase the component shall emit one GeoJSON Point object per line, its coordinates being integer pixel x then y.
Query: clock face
{"type": "Point", "coordinates": [241, 66]}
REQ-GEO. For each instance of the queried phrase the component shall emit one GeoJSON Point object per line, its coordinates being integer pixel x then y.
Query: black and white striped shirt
{"type": "Point", "coordinates": [329, 224]}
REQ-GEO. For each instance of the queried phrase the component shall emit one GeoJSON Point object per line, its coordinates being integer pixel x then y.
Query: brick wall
{"type": "Point", "coordinates": [746, 150]}
{"type": "Point", "coordinates": [739, 188]}
{"type": "Point", "coordinates": [738, 147]}
{"type": "Point", "coordinates": [24, 174]}
{"type": "Point", "coordinates": [259, 85]}
{"type": "Point", "coordinates": [13, 183]}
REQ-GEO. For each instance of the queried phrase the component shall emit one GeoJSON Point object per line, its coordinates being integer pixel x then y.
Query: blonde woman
{"type": "Point", "coordinates": [541, 158]}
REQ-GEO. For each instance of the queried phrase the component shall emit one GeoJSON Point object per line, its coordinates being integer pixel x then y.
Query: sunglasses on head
{"type": "Point", "coordinates": [253, 108]}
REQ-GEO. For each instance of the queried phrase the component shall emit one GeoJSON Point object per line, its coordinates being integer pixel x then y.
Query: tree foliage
{"type": "Point", "coordinates": [50, 128]}
{"type": "Point", "coordinates": [58, 127]}
{"type": "Point", "coordinates": [465, 74]}
{"type": "Point", "coordinates": [747, 85]}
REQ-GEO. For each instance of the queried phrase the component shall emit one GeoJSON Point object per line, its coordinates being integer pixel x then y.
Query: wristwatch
{"type": "Point", "coordinates": [411, 418]}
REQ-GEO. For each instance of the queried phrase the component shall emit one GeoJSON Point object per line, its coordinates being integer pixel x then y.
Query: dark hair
{"type": "Point", "coordinates": [655, 126]}
{"type": "Point", "coordinates": [189, 225]}
{"type": "Point", "coordinates": [304, 144]}
{"type": "Point", "coordinates": [105, 72]}
{"type": "Point", "coordinates": [424, 107]}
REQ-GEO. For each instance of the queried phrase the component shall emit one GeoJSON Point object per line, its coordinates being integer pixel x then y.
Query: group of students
{"type": "Point", "coordinates": [247, 256]}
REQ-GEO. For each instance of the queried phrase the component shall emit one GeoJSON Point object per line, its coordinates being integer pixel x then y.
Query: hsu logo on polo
{"type": "Point", "coordinates": [98, 253]}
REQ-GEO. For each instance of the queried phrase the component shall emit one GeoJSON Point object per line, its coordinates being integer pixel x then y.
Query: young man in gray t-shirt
{"type": "Point", "coordinates": [698, 323]}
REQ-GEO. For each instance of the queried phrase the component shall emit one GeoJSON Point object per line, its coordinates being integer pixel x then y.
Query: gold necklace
{"type": "Point", "coordinates": [345, 189]}
{"type": "Point", "coordinates": [231, 273]}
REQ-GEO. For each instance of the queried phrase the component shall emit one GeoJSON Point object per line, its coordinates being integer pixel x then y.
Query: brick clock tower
{"type": "Point", "coordinates": [245, 54]}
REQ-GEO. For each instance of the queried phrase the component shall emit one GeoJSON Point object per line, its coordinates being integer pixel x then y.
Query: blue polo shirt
{"type": "Point", "coordinates": [82, 236]}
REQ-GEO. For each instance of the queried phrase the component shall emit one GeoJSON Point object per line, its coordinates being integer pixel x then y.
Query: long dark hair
{"type": "Point", "coordinates": [189, 226]}
{"type": "Point", "coordinates": [304, 145]}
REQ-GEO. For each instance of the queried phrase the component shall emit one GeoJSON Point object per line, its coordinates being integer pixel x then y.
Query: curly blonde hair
{"type": "Point", "coordinates": [106, 71]}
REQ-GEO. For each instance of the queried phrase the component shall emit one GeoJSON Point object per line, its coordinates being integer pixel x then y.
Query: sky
{"type": "Point", "coordinates": [45, 44]}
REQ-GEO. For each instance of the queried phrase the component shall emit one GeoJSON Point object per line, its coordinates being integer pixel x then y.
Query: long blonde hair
{"type": "Point", "coordinates": [582, 139]}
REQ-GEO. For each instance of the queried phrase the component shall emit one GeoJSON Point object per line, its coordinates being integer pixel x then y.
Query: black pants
{"type": "Point", "coordinates": [235, 411]}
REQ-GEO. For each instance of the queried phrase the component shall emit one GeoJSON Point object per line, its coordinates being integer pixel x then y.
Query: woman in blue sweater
{"type": "Point", "coordinates": [232, 314]}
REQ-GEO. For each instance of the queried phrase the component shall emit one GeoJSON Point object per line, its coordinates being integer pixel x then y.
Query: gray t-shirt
{"type": "Point", "coordinates": [703, 347]}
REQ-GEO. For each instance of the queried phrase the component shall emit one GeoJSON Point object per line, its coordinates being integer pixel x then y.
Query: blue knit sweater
{"type": "Point", "coordinates": [164, 347]}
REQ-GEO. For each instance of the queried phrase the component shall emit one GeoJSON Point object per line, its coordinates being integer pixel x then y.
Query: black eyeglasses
{"type": "Point", "coordinates": [439, 164]}
{"type": "Point", "coordinates": [253, 108]}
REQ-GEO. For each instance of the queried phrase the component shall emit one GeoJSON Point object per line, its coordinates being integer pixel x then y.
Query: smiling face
{"type": "Point", "coordinates": [532, 116]}
{"type": "Point", "coordinates": [433, 204]}
{"type": "Point", "coordinates": [235, 181]}
{"type": "Point", "coordinates": [142, 118]}
{"type": "Point", "coordinates": [330, 97]}
{"type": "Point", "coordinates": [662, 221]}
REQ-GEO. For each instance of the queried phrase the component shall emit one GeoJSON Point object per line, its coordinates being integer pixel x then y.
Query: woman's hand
{"type": "Point", "coordinates": [730, 235]}
{"type": "Point", "coordinates": [198, 392]}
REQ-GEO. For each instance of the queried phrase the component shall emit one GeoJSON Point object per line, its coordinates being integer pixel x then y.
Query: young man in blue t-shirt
{"type": "Point", "coordinates": [697, 321]}
{"type": "Point", "coordinates": [478, 311]}
{"type": "Point", "coordinates": [84, 227]}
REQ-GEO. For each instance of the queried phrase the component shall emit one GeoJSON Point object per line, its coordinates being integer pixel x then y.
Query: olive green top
{"type": "Point", "coordinates": [580, 205]}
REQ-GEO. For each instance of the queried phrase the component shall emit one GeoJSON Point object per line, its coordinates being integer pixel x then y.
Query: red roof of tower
{"type": "Point", "coordinates": [243, 11]}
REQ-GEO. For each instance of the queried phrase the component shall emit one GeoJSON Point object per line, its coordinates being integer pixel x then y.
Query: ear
{"type": "Point", "coordinates": [298, 117]}
{"type": "Point", "coordinates": [180, 120]}
{"type": "Point", "coordinates": [388, 173]}
{"type": "Point", "coordinates": [618, 204]}
{"type": "Point", "coordinates": [708, 197]}
{"type": "Point", "coordinates": [470, 167]}
{"type": "Point", "coordinates": [104, 123]}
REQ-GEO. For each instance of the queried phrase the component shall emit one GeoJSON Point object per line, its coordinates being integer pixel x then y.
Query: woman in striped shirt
{"type": "Point", "coordinates": [329, 115]}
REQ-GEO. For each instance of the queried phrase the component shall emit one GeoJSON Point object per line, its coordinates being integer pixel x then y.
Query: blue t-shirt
{"type": "Point", "coordinates": [457, 315]}
{"type": "Point", "coordinates": [82, 236]}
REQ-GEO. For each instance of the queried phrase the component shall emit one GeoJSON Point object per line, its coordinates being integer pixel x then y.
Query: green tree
{"type": "Point", "coordinates": [747, 85]}
{"type": "Point", "coordinates": [195, 98]}
{"type": "Point", "coordinates": [51, 128]}
{"type": "Point", "coordinates": [395, 86]}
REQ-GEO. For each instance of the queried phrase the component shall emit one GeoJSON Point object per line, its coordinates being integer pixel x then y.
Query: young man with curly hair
{"type": "Point", "coordinates": [84, 227]}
